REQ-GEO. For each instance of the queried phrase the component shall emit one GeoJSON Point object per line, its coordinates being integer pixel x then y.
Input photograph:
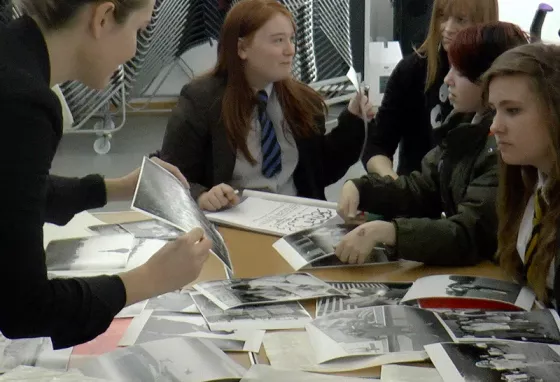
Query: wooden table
{"type": "Point", "coordinates": [252, 255]}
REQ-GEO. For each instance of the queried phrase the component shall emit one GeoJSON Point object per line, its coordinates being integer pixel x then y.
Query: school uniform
{"type": "Point", "coordinates": [525, 235]}
{"type": "Point", "coordinates": [69, 311]}
{"type": "Point", "coordinates": [196, 142]}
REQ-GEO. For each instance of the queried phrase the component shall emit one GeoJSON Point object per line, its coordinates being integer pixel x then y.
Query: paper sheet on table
{"type": "Point", "coordinates": [77, 227]}
{"type": "Point", "coordinates": [292, 350]}
{"type": "Point", "coordinates": [399, 373]}
{"type": "Point", "coordinates": [270, 374]}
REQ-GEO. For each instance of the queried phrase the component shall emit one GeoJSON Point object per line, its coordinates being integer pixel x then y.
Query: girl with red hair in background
{"type": "Point", "coordinates": [250, 124]}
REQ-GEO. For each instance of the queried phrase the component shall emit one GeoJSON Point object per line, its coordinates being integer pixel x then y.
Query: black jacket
{"type": "Point", "coordinates": [459, 179]}
{"type": "Point", "coordinates": [408, 114]}
{"type": "Point", "coordinates": [196, 142]}
{"type": "Point", "coordinates": [70, 311]}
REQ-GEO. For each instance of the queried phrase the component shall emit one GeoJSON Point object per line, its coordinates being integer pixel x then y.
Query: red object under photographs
{"type": "Point", "coordinates": [465, 303]}
{"type": "Point", "coordinates": [107, 341]}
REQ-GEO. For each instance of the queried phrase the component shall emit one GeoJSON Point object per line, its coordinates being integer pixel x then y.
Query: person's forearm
{"type": "Point", "coordinates": [117, 190]}
{"type": "Point", "coordinates": [139, 285]}
{"type": "Point", "coordinates": [381, 165]}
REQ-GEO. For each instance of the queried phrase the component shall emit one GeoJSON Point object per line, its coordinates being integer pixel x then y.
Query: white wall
{"type": "Point", "coordinates": [381, 20]}
{"type": "Point", "coordinates": [521, 12]}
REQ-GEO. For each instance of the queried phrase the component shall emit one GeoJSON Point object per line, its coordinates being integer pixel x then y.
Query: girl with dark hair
{"type": "Point", "coordinates": [58, 41]}
{"type": "Point", "coordinates": [250, 124]}
{"type": "Point", "coordinates": [444, 214]}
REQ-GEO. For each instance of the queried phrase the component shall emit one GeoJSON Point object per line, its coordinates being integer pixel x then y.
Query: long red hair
{"type": "Point", "coordinates": [300, 104]}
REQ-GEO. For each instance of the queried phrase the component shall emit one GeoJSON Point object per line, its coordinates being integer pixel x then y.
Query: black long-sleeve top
{"type": "Point", "coordinates": [69, 311]}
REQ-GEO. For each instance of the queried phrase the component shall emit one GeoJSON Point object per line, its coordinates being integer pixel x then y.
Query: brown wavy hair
{"type": "Point", "coordinates": [300, 104]}
{"type": "Point", "coordinates": [540, 64]}
{"type": "Point", "coordinates": [479, 11]}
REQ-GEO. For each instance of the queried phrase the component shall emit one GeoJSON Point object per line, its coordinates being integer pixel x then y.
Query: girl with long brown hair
{"type": "Point", "coordinates": [524, 87]}
{"type": "Point", "coordinates": [415, 102]}
{"type": "Point", "coordinates": [250, 124]}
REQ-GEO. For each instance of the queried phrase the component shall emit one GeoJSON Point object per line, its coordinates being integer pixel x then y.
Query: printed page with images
{"type": "Point", "coordinates": [469, 292]}
{"type": "Point", "coordinates": [274, 214]}
{"type": "Point", "coordinates": [315, 247]}
{"type": "Point", "coordinates": [264, 317]}
{"type": "Point", "coordinates": [382, 331]}
{"type": "Point", "coordinates": [171, 360]}
{"type": "Point", "coordinates": [235, 293]}
{"type": "Point", "coordinates": [159, 194]}
{"type": "Point", "coordinates": [496, 362]}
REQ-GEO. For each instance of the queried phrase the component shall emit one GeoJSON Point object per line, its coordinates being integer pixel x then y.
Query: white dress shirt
{"type": "Point", "coordinates": [245, 175]}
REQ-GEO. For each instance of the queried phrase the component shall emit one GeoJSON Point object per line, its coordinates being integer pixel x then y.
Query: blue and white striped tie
{"type": "Point", "coordinates": [272, 154]}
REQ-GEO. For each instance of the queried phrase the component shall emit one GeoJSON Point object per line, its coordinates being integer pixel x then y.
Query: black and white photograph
{"type": "Point", "coordinates": [361, 295]}
{"type": "Point", "coordinates": [152, 229]}
{"type": "Point", "coordinates": [41, 374]}
{"type": "Point", "coordinates": [108, 229]}
{"type": "Point", "coordinates": [315, 247]}
{"type": "Point", "coordinates": [160, 195]}
{"type": "Point", "coordinates": [472, 288]}
{"type": "Point", "coordinates": [175, 303]}
{"type": "Point", "coordinates": [496, 362]}
{"type": "Point", "coordinates": [263, 317]}
{"type": "Point", "coordinates": [172, 360]}
{"type": "Point", "coordinates": [234, 293]}
{"type": "Point", "coordinates": [193, 325]}
{"type": "Point", "coordinates": [377, 330]}
{"type": "Point", "coordinates": [480, 325]}
{"type": "Point", "coordinates": [31, 352]}
{"type": "Point", "coordinates": [90, 253]}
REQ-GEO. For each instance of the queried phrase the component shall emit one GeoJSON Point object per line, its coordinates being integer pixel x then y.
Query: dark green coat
{"type": "Point", "coordinates": [446, 213]}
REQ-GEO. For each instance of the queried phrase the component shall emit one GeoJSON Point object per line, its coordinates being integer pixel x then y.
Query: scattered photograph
{"type": "Point", "coordinates": [471, 287]}
{"type": "Point", "coordinates": [496, 362]}
{"type": "Point", "coordinates": [160, 195]}
{"type": "Point", "coordinates": [374, 331]}
{"type": "Point", "coordinates": [234, 293]}
{"type": "Point", "coordinates": [481, 325]}
{"type": "Point", "coordinates": [315, 247]}
{"type": "Point", "coordinates": [361, 295]}
{"type": "Point", "coordinates": [171, 360]}
{"type": "Point", "coordinates": [263, 317]}
{"type": "Point", "coordinates": [31, 352]}
{"type": "Point", "coordinates": [162, 327]}
{"type": "Point", "coordinates": [40, 374]}
{"type": "Point", "coordinates": [259, 373]}
{"type": "Point", "coordinates": [90, 253]}
{"type": "Point", "coordinates": [175, 303]}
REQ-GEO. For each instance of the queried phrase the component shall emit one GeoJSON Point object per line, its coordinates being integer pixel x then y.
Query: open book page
{"type": "Point", "coordinates": [315, 247]}
{"type": "Point", "coordinates": [39, 374]}
{"type": "Point", "coordinates": [235, 293]}
{"type": "Point", "coordinates": [440, 290]}
{"type": "Point", "coordinates": [31, 352]}
{"type": "Point", "coordinates": [491, 326]}
{"type": "Point", "coordinates": [159, 194]}
{"type": "Point", "coordinates": [361, 295]}
{"type": "Point", "coordinates": [171, 360]}
{"type": "Point", "coordinates": [292, 350]}
{"type": "Point", "coordinates": [381, 331]}
{"type": "Point", "coordinates": [270, 374]}
{"type": "Point", "coordinates": [400, 373]}
{"type": "Point", "coordinates": [264, 317]}
{"type": "Point", "coordinates": [191, 325]}
{"type": "Point", "coordinates": [90, 253]}
{"type": "Point", "coordinates": [77, 227]}
{"type": "Point", "coordinates": [144, 229]}
{"type": "Point", "coordinates": [272, 217]}
{"type": "Point", "coordinates": [496, 362]}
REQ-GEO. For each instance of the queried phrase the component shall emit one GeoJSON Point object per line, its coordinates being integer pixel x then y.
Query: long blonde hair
{"type": "Point", "coordinates": [540, 64]}
{"type": "Point", "coordinates": [478, 11]}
